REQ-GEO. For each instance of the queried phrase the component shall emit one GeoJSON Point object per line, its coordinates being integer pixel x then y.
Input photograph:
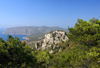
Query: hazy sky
{"type": "Point", "coordinates": [62, 13]}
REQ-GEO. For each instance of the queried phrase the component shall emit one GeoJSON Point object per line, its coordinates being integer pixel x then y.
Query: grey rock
{"type": "Point", "coordinates": [52, 37]}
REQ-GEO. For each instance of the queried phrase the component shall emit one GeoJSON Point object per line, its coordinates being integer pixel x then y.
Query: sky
{"type": "Point", "coordinates": [61, 13]}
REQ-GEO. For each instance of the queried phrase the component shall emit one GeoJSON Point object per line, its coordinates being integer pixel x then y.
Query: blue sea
{"type": "Point", "coordinates": [5, 36]}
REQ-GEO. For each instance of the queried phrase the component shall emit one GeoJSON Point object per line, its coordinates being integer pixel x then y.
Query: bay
{"type": "Point", "coordinates": [5, 36]}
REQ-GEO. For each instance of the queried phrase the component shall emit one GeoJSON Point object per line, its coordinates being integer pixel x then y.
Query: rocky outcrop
{"type": "Point", "coordinates": [52, 38]}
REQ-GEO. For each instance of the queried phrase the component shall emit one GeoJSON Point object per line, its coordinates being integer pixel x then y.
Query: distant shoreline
{"type": "Point", "coordinates": [19, 34]}
{"type": "Point", "coordinates": [26, 38]}
{"type": "Point", "coordinates": [4, 36]}
{"type": "Point", "coordinates": [15, 34]}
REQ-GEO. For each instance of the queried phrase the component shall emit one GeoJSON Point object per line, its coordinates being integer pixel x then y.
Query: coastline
{"type": "Point", "coordinates": [26, 38]}
{"type": "Point", "coordinates": [20, 36]}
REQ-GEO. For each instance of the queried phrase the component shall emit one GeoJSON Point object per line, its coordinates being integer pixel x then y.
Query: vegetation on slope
{"type": "Point", "coordinates": [35, 37]}
{"type": "Point", "coordinates": [14, 53]}
{"type": "Point", "coordinates": [82, 50]}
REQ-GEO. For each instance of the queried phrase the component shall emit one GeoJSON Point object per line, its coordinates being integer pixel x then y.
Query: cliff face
{"type": "Point", "coordinates": [52, 38]}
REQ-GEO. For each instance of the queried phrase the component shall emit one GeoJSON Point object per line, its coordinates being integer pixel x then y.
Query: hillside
{"type": "Point", "coordinates": [29, 30]}
{"type": "Point", "coordinates": [34, 37]}
{"type": "Point", "coordinates": [78, 49]}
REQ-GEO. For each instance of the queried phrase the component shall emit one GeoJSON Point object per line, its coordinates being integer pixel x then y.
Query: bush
{"type": "Point", "coordinates": [86, 32]}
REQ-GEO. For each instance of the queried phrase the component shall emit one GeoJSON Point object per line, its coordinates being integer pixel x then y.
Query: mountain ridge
{"type": "Point", "coordinates": [28, 30]}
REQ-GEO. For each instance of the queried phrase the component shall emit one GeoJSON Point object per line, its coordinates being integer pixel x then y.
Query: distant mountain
{"type": "Point", "coordinates": [28, 30]}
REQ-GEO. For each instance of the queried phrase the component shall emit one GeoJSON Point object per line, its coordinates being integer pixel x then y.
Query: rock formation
{"type": "Point", "coordinates": [52, 38]}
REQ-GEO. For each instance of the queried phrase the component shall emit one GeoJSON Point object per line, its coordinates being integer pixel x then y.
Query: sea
{"type": "Point", "coordinates": [5, 36]}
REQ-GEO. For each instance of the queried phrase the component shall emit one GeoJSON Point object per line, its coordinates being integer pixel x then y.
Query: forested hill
{"type": "Point", "coordinates": [80, 50]}
{"type": "Point", "coordinates": [28, 30]}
